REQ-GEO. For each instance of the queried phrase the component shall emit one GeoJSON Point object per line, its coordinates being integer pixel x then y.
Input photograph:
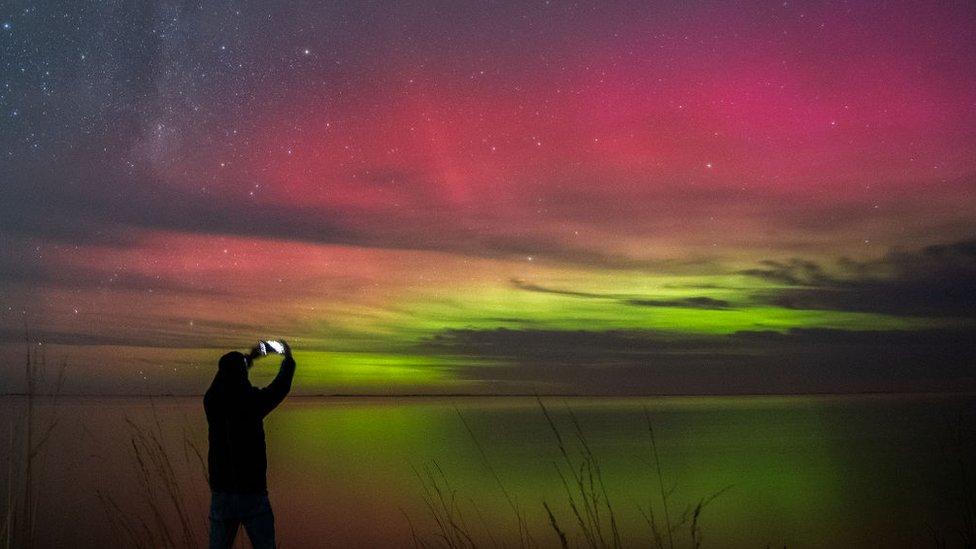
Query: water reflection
{"type": "Point", "coordinates": [803, 471]}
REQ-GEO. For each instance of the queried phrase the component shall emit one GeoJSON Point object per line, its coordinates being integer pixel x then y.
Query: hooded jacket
{"type": "Point", "coordinates": [235, 415]}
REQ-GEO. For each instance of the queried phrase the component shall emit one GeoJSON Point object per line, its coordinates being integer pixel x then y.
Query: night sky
{"type": "Point", "coordinates": [670, 197]}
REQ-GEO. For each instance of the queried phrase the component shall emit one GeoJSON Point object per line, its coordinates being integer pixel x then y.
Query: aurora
{"type": "Point", "coordinates": [466, 198]}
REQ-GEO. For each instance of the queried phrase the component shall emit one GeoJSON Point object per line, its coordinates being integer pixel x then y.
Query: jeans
{"type": "Point", "coordinates": [229, 511]}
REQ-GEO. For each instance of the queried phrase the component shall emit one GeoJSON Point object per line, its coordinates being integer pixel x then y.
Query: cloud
{"type": "Point", "coordinates": [529, 287]}
{"type": "Point", "coordinates": [697, 302]}
{"type": "Point", "coordinates": [84, 199]}
{"type": "Point", "coordinates": [635, 361]}
{"type": "Point", "coordinates": [938, 280]}
{"type": "Point", "coordinates": [796, 272]}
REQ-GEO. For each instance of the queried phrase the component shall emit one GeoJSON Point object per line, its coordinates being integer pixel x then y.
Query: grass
{"type": "Point", "coordinates": [583, 482]}
{"type": "Point", "coordinates": [593, 518]}
{"type": "Point", "coordinates": [176, 515]}
{"type": "Point", "coordinates": [28, 441]}
{"type": "Point", "coordinates": [691, 517]}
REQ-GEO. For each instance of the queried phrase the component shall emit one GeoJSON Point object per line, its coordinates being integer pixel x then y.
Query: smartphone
{"type": "Point", "coordinates": [271, 346]}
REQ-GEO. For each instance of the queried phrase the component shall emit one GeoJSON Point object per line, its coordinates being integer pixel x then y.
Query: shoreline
{"type": "Point", "coordinates": [516, 395]}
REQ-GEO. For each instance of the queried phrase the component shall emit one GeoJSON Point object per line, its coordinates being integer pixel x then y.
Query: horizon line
{"type": "Point", "coordinates": [967, 392]}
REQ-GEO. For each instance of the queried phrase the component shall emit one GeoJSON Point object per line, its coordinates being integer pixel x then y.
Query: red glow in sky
{"type": "Point", "coordinates": [372, 179]}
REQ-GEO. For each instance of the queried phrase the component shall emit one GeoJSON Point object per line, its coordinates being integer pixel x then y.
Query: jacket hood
{"type": "Point", "coordinates": [231, 371]}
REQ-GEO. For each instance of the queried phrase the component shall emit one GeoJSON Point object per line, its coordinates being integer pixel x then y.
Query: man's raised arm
{"type": "Point", "coordinates": [276, 391]}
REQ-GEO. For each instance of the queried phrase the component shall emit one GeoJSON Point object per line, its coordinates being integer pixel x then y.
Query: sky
{"type": "Point", "coordinates": [491, 197]}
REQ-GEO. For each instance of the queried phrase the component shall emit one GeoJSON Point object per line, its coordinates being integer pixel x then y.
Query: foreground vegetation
{"type": "Point", "coordinates": [593, 518]}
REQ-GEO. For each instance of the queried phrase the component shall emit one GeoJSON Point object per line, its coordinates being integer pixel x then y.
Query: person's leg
{"type": "Point", "coordinates": [224, 522]}
{"type": "Point", "coordinates": [259, 523]}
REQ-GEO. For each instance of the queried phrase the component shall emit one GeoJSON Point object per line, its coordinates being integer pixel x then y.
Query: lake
{"type": "Point", "coordinates": [799, 471]}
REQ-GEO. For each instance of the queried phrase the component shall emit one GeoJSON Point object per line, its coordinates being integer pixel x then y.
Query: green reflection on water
{"type": "Point", "coordinates": [779, 457]}
{"type": "Point", "coordinates": [860, 471]}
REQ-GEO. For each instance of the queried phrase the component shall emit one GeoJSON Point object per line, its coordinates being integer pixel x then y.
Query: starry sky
{"type": "Point", "coordinates": [492, 197]}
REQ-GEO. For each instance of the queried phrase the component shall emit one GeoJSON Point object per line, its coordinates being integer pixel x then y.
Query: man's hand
{"type": "Point", "coordinates": [256, 352]}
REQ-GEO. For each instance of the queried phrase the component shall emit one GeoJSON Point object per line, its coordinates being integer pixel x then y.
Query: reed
{"type": "Point", "coordinates": [689, 518]}
{"type": "Point", "coordinates": [585, 488]}
{"type": "Point", "coordinates": [594, 516]}
{"type": "Point", "coordinates": [27, 445]}
{"type": "Point", "coordinates": [172, 507]}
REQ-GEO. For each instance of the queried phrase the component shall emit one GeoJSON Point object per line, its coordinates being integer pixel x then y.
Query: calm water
{"type": "Point", "coordinates": [803, 471]}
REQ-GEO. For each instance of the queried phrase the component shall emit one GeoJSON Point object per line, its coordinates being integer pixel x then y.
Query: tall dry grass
{"type": "Point", "coordinates": [593, 520]}
{"type": "Point", "coordinates": [26, 448]}
{"type": "Point", "coordinates": [174, 507]}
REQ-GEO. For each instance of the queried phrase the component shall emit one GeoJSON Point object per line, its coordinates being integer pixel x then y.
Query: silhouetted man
{"type": "Point", "coordinates": [237, 460]}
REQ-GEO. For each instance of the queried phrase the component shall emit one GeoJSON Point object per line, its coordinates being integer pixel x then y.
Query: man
{"type": "Point", "coordinates": [237, 460]}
